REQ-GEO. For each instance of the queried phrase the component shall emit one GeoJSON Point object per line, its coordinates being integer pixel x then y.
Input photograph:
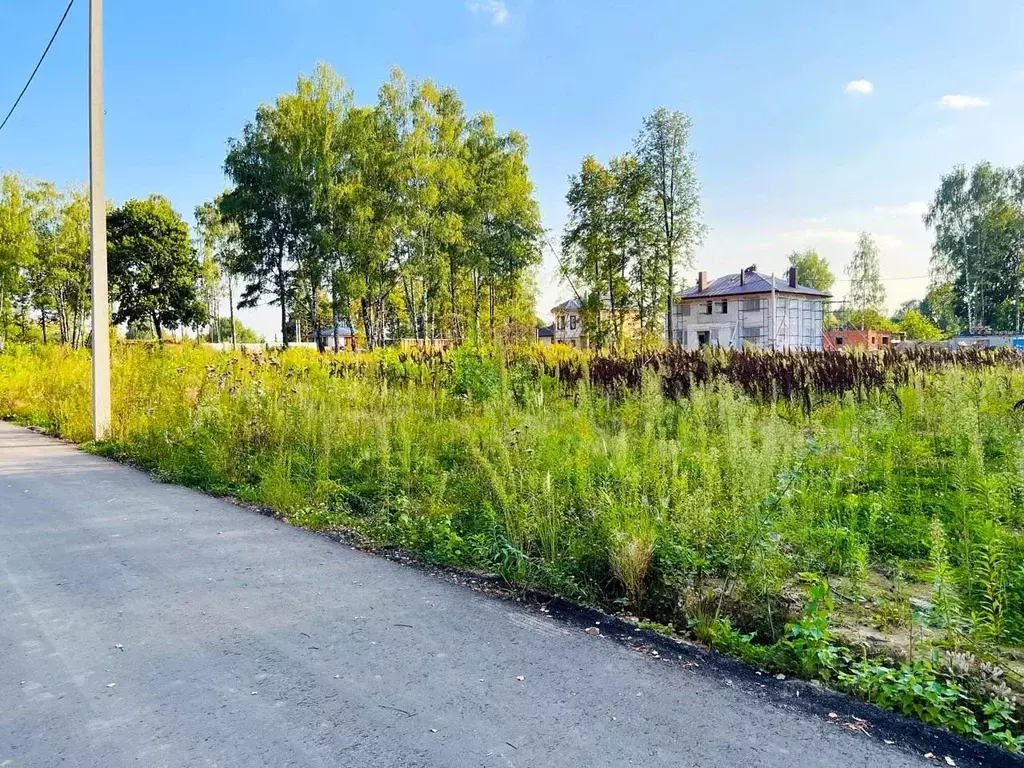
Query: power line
{"type": "Point", "coordinates": [38, 64]}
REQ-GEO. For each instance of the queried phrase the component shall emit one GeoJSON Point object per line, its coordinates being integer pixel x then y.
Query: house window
{"type": "Point", "coordinates": [885, 339]}
{"type": "Point", "coordinates": [561, 322]}
{"type": "Point", "coordinates": [703, 338]}
{"type": "Point", "coordinates": [751, 305]}
{"type": "Point", "coordinates": [686, 310]}
{"type": "Point", "coordinates": [709, 308]}
{"type": "Point", "coordinates": [753, 332]}
{"type": "Point", "coordinates": [572, 322]}
{"type": "Point", "coordinates": [723, 307]}
{"type": "Point", "coordinates": [839, 341]}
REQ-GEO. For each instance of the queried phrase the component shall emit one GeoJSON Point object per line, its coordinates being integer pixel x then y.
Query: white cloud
{"type": "Point", "coordinates": [862, 87]}
{"type": "Point", "coordinates": [495, 8]}
{"type": "Point", "coordinates": [915, 208]}
{"type": "Point", "coordinates": [959, 101]}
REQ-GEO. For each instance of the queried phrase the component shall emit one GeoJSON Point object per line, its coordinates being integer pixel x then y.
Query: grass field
{"type": "Point", "coordinates": [854, 519]}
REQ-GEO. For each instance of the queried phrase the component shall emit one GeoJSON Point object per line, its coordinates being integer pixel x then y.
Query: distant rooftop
{"type": "Point", "coordinates": [576, 304]}
{"type": "Point", "coordinates": [752, 282]}
{"type": "Point", "coordinates": [568, 305]}
{"type": "Point", "coordinates": [328, 333]}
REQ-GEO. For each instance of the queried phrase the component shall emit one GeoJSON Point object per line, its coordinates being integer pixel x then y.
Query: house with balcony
{"type": "Point", "coordinates": [749, 309]}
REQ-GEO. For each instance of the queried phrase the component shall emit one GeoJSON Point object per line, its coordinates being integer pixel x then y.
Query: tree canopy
{"type": "Point", "coordinates": [154, 270]}
{"type": "Point", "coordinates": [633, 224]}
{"type": "Point", "coordinates": [867, 292]}
{"type": "Point", "coordinates": [977, 216]}
{"type": "Point", "coordinates": [812, 269]}
{"type": "Point", "coordinates": [917, 327]}
{"type": "Point", "coordinates": [407, 214]}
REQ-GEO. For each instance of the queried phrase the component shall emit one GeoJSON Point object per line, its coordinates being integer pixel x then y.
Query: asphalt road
{"type": "Point", "coordinates": [147, 625]}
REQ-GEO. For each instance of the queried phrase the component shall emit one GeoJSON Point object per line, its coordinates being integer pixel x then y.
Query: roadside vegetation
{"type": "Point", "coordinates": [853, 519]}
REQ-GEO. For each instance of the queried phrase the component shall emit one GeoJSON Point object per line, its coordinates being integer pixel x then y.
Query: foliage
{"type": "Point", "coordinates": [220, 331]}
{"type": "Point", "coordinates": [17, 245]}
{"type": "Point", "coordinates": [154, 272]}
{"type": "Point", "coordinates": [663, 149]}
{"type": "Point", "coordinates": [867, 292]}
{"type": "Point", "coordinates": [939, 306]}
{"type": "Point", "coordinates": [218, 242]}
{"type": "Point", "coordinates": [812, 269]}
{"type": "Point", "coordinates": [978, 219]}
{"type": "Point", "coordinates": [918, 327]}
{"type": "Point", "coordinates": [406, 215]}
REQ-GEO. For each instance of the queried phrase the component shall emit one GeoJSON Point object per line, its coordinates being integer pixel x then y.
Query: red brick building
{"type": "Point", "coordinates": [854, 338]}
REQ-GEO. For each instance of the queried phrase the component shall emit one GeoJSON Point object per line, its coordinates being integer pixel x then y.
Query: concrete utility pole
{"type": "Point", "coordinates": [98, 215]}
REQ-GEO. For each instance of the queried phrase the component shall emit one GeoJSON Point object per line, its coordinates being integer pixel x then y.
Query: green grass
{"type": "Point", "coordinates": [710, 513]}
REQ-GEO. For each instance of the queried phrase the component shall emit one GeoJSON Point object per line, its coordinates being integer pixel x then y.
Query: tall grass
{"type": "Point", "coordinates": [687, 510]}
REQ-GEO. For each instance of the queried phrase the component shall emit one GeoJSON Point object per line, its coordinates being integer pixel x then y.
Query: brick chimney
{"type": "Point", "coordinates": [702, 281]}
{"type": "Point", "coordinates": [792, 277]}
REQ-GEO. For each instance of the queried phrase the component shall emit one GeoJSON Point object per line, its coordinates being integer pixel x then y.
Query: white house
{"type": "Point", "coordinates": [749, 309]}
{"type": "Point", "coordinates": [569, 323]}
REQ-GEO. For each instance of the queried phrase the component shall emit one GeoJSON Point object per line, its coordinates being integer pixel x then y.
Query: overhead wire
{"type": "Point", "coordinates": [39, 63]}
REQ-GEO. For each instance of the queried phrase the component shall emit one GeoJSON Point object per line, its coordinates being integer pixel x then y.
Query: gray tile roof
{"type": "Point", "coordinates": [566, 305]}
{"type": "Point", "coordinates": [754, 282]}
{"type": "Point", "coordinates": [574, 304]}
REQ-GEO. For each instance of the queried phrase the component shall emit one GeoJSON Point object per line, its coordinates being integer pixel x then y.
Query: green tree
{"type": "Point", "coordinates": [221, 328]}
{"type": "Point", "coordinates": [976, 217]}
{"type": "Point", "coordinates": [918, 327]}
{"type": "Point", "coordinates": [502, 222]}
{"type": "Point", "coordinates": [17, 246]}
{"type": "Point", "coordinates": [812, 269]}
{"type": "Point", "coordinates": [867, 293]}
{"type": "Point", "coordinates": [663, 147]}
{"type": "Point", "coordinates": [590, 259]}
{"type": "Point", "coordinates": [635, 232]}
{"type": "Point", "coordinates": [154, 270]}
{"type": "Point", "coordinates": [311, 132]}
{"type": "Point", "coordinates": [57, 282]}
{"type": "Point", "coordinates": [404, 214]}
{"type": "Point", "coordinates": [939, 307]}
{"type": "Point", "coordinates": [218, 240]}
{"type": "Point", "coordinates": [257, 206]}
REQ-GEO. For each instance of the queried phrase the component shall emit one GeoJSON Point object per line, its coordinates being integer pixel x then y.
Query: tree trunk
{"type": "Point", "coordinates": [671, 283]}
{"type": "Point", "coordinates": [156, 326]}
{"type": "Point", "coordinates": [3, 316]}
{"type": "Point", "coordinates": [364, 316]}
{"type": "Point", "coordinates": [282, 297]}
{"type": "Point", "coordinates": [314, 317]}
{"type": "Point", "coordinates": [490, 307]}
{"type": "Point", "coordinates": [334, 313]}
{"type": "Point", "coordinates": [477, 302]}
{"type": "Point", "coordinates": [452, 290]}
{"type": "Point", "coordinates": [231, 310]}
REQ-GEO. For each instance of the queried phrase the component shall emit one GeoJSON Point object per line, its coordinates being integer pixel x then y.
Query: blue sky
{"type": "Point", "coordinates": [791, 154]}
